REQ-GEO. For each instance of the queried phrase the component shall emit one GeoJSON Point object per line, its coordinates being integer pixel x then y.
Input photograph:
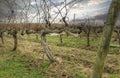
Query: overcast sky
{"type": "Point", "coordinates": [81, 8]}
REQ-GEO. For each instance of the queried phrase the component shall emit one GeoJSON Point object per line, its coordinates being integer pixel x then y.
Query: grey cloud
{"type": "Point", "coordinates": [18, 5]}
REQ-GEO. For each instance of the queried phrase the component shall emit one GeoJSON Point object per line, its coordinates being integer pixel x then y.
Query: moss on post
{"type": "Point", "coordinates": [105, 42]}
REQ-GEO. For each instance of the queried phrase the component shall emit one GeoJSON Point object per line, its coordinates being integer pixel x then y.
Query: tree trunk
{"type": "Point", "coordinates": [61, 40]}
{"type": "Point", "coordinates": [105, 42]}
{"type": "Point", "coordinates": [14, 34]}
{"type": "Point", "coordinates": [46, 48]}
{"type": "Point", "coordinates": [88, 38]}
{"type": "Point", "coordinates": [88, 35]}
{"type": "Point", "coordinates": [15, 42]}
{"type": "Point", "coordinates": [1, 35]}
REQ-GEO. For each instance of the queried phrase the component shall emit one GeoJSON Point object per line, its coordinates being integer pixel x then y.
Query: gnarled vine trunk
{"type": "Point", "coordinates": [15, 39]}
{"type": "Point", "coordinates": [1, 35]}
{"type": "Point", "coordinates": [46, 48]}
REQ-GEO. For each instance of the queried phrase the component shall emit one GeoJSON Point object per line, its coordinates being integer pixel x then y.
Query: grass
{"type": "Point", "coordinates": [80, 43]}
{"type": "Point", "coordinates": [72, 42]}
{"type": "Point", "coordinates": [16, 65]}
{"type": "Point", "coordinates": [114, 76]}
{"type": "Point", "coordinates": [75, 60]}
